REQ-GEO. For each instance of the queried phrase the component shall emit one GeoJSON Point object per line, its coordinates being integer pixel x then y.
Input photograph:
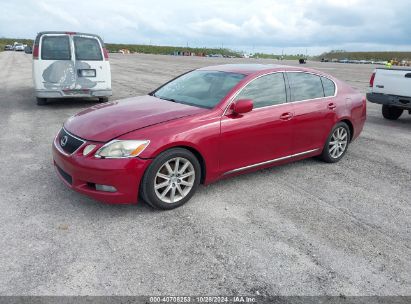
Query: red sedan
{"type": "Point", "coordinates": [202, 126]}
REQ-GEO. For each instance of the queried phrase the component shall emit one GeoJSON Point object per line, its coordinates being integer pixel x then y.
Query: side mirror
{"type": "Point", "coordinates": [242, 106]}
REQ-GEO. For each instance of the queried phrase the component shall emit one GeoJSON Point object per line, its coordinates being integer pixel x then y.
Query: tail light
{"type": "Point", "coordinates": [372, 80]}
{"type": "Point", "coordinates": [105, 53]}
{"type": "Point", "coordinates": [35, 52]}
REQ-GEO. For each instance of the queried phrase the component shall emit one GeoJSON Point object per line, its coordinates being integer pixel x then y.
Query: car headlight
{"type": "Point", "coordinates": [122, 148]}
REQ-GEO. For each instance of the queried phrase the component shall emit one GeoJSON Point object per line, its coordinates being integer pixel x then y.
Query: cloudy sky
{"type": "Point", "coordinates": [248, 25]}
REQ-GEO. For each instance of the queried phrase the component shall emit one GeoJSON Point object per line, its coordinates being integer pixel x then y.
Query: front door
{"type": "Point", "coordinates": [261, 135]}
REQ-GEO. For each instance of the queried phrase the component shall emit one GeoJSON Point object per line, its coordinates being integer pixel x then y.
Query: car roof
{"type": "Point", "coordinates": [249, 69]}
{"type": "Point", "coordinates": [68, 33]}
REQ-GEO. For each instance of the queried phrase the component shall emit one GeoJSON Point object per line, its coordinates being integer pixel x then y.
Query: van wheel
{"type": "Point", "coordinates": [171, 179]}
{"type": "Point", "coordinates": [391, 113]}
{"type": "Point", "coordinates": [103, 99]}
{"type": "Point", "coordinates": [41, 101]}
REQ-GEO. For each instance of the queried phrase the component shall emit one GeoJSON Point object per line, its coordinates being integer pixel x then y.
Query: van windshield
{"type": "Point", "coordinates": [55, 48]}
{"type": "Point", "coordinates": [87, 48]}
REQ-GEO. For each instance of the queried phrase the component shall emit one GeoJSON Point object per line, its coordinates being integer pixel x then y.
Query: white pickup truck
{"type": "Point", "coordinates": [392, 89]}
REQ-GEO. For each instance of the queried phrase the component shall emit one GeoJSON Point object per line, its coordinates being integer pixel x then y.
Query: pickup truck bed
{"type": "Point", "coordinates": [392, 89]}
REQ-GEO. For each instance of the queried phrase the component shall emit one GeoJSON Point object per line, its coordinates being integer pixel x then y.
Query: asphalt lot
{"type": "Point", "coordinates": [306, 228]}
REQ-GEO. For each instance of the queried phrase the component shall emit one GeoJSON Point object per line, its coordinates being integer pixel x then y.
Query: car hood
{"type": "Point", "coordinates": [109, 120]}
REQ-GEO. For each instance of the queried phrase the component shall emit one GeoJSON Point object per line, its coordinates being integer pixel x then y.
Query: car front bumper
{"type": "Point", "coordinates": [83, 173]}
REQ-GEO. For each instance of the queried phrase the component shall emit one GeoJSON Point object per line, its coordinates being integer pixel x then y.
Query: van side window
{"type": "Point", "coordinates": [55, 48]}
{"type": "Point", "coordinates": [87, 48]}
{"type": "Point", "coordinates": [305, 86]}
{"type": "Point", "coordinates": [329, 87]}
{"type": "Point", "coordinates": [265, 91]}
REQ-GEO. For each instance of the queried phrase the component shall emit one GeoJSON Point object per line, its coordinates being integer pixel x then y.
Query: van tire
{"type": "Point", "coordinates": [41, 101]}
{"type": "Point", "coordinates": [391, 113]}
{"type": "Point", "coordinates": [102, 99]}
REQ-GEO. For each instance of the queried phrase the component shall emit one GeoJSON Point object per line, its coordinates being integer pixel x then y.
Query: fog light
{"type": "Point", "coordinates": [105, 188]}
{"type": "Point", "coordinates": [88, 149]}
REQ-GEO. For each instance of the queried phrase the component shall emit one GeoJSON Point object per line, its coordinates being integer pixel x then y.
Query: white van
{"type": "Point", "coordinates": [69, 64]}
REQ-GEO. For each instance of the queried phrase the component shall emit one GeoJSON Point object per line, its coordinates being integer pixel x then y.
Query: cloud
{"type": "Point", "coordinates": [257, 24]}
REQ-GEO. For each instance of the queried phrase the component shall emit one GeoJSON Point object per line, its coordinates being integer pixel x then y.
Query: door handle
{"type": "Point", "coordinates": [286, 116]}
{"type": "Point", "coordinates": [332, 106]}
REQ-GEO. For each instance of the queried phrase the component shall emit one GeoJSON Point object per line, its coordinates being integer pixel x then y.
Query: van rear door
{"type": "Point", "coordinates": [55, 68]}
{"type": "Point", "coordinates": [92, 66]}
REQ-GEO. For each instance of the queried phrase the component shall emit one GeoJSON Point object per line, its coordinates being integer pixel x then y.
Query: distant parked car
{"type": "Point", "coordinates": [8, 47]}
{"type": "Point", "coordinates": [28, 50]}
{"type": "Point", "coordinates": [69, 64]}
{"type": "Point", "coordinates": [302, 61]}
{"type": "Point", "coordinates": [19, 47]}
{"type": "Point", "coordinates": [205, 125]}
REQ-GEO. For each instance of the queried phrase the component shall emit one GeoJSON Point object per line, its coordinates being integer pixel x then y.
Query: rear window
{"type": "Point", "coordinates": [87, 48]}
{"type": "Point", "coordinates": [55, 48]}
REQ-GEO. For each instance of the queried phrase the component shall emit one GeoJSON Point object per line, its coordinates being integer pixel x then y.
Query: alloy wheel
{"type": "Point", "coordinates": [174, 180]}
{"type": "Point", "coordinates": [338, 142]}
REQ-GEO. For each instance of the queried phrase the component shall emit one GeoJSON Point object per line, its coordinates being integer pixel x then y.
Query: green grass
{"type": "Point", "coordinates": [383, 56]}
{"type": "Point", "coordinates": [167, 50]}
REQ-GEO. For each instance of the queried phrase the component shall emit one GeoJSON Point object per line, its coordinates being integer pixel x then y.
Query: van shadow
{"type": "Point", "coordinates": [71, 103]}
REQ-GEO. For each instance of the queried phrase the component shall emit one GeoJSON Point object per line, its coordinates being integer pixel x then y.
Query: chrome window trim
{"type": "Point", "coordinates": [288, 102]}
{"type": "Point", "coordinates": [270, 161]}
{"type": "Point", "coordinates": [59, 148]}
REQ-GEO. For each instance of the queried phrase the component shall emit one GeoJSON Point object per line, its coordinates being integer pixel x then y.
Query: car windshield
{"type": "Point", "coordinates": [199, 88]}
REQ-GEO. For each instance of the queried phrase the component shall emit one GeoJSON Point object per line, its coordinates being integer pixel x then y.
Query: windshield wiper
{"type": "Point", "coordinates": [168, 99]}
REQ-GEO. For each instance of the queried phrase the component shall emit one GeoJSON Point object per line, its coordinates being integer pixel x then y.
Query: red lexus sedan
{"type": "Point", "coordinates": [204, 125]}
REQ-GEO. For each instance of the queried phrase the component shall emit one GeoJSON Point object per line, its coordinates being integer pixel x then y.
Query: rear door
{"type": "Point", "coordinates": [314, 113]}
{"type": "Point", "coordinates": [54, 70]}
{"type": "Point", "coordinates": [92, 68]}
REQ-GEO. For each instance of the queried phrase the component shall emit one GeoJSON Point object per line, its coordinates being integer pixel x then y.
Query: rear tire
{"type": "Point", "coordinates": [171, 179]}
{"type": "Point", "coordinates": [41, 101]}
{"type": "Point", "coordinates": [391, 113]}
{"type": "Point", "coordinates": [102, 99]}
{"type": "Point", "coordinates": [337, 143]}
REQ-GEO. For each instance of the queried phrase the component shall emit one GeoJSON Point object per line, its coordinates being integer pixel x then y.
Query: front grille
{"type": "Point", "coordinates": [68, 142]}
{"type": "Point", "coordinates": [67, 177]}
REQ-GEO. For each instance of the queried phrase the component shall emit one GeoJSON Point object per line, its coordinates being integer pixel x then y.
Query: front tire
{"type": "Point", "coordinates": [171, 179]}
{"type": "Point", "coordinates": [391, 113]}
{"type": "Point", "coordinates": [337, 143]}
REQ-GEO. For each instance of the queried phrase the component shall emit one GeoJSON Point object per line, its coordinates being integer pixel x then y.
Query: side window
{"type": "Point", "coordinates": [305, 86]}
{"type": "Point", "coordinates": [329, 86]}
{"type": "Point", "coordinates": [55, 48]}
{"type": "Point", "coordinates": [265, 91]}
